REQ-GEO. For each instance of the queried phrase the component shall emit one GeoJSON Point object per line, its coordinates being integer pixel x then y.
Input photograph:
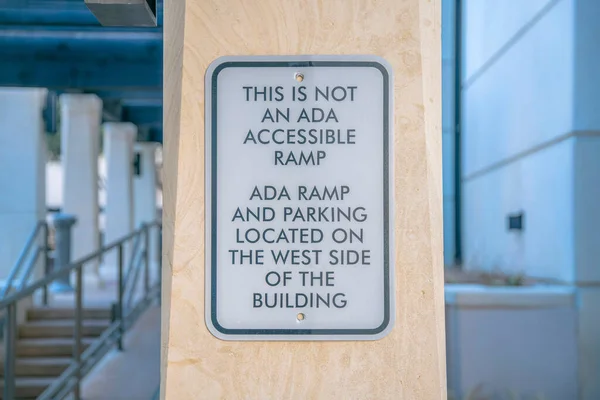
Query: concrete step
{"type": "Point", "coordinates": [28, 388]}
{"type": "Point", "coordinates": [45, 313]}
{"type": "Point", "coordinates": [60, 328]}
{"type": "Point", "coordinates": [39, 366]}
{"type": "Point", "coordinates": [48, 347]}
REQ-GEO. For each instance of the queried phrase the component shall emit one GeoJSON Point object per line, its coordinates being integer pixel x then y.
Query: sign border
{"type": "Point", "coordinates": [211, 81]}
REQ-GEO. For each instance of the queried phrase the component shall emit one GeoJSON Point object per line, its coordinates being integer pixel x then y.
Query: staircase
{"type": "Point", "coordinates": [45, 346]}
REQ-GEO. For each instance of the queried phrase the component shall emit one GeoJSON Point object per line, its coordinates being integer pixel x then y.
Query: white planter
{"type": "Point", "coordinates": [511, 342]}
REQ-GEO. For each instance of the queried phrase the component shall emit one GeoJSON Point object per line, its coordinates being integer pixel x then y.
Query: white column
{"type": "Point", "coordinates": [80, 116]}
{"type": "Point", "coordinates": [22, 170]}
{"type": "Point", "coordinates": [144, 182]}
{"type": "Point", "coordinates": [119, 218]}
{"type": "Point", "coordinates": [145, 193]}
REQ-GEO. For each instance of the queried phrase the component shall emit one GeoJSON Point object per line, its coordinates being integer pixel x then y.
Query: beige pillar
{"type": "Point", "coordinates": [408, 363]}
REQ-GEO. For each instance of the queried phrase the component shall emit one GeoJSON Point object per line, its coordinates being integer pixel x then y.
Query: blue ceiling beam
{"type": "Point", "coordinates": [82, 40]}
{"type": "Point", "coordinates": [46, 12]}
{"type": "Point", "coordinates": [74, 58]}
{"type": "Point", "coordinates": [86, 74]}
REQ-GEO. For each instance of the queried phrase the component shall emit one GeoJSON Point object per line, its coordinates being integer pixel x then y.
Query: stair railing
{"type": "Point", "coordinates": [69, 382]}
{"type": "Point", "coordinates": [25, 265]}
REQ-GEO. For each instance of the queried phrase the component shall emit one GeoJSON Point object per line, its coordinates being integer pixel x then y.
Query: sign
{"type": "Point", "coordinates": [299, 195]}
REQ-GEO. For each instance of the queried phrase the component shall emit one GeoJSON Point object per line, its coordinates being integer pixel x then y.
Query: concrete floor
{"type": "Point", "coordinates": [133, 374]}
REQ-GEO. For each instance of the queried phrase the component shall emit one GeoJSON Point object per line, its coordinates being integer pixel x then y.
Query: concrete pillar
{"type": "Point", "coordinates": [409, 363]}
{"type": "Point", "coordinates": [144, 193]}
{"type": "Point", "coordinates": [22, 170]}
{"type": "Point", "coordinates": [119, 218]}
{"type": "Point", "coordinates": [80, 142]}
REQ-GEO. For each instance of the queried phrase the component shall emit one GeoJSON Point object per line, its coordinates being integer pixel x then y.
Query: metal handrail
{"type": "Point", "coordinates": [22, 257]}
{"type": "Point", "coordinates": [70, 380]}
{"type": "Point", "coordinates": [49, 278]}
{"type": "Point", "coordinates": [30, 268]}
{"type": "Point", "coordinates": [134, 250]}
{"type": "Point", "coordinates": [134, 260]}
{"type": "Point", "coordinates": [134, 274]}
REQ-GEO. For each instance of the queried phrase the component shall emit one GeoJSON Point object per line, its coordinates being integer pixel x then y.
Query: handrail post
{"type": "Point", "coordinates": [159, 263]}
{"type": "Point", "coordinates": [120, 299]}
{"type": "Point", "coordinates": [146, 232]}
{"type": "Point", "coordinates": [62, 253]}
{"type": "Point", "coordinates": [9, 351]}
{"type": "Point", "coordinates": [78, 330]}
{"type": "Point", "coordinates": [46, 231]}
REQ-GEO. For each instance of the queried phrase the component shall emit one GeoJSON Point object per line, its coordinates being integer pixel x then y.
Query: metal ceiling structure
{"type": "Point", "coordinates": [60, 45]}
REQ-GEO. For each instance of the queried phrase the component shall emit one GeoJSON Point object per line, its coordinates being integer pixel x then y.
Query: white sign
{"type": "Point", "coordinates": [299, 198]}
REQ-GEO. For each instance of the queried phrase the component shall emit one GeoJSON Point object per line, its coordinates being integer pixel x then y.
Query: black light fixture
{"type": "Point", "coordinates": [123, 12]}
{"type": "Point", "coordinates": [50, 113]}
{"type": "Point", "coordinates": [137, 164]}
{"type": "Point", "coordinates": [515, 221]}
